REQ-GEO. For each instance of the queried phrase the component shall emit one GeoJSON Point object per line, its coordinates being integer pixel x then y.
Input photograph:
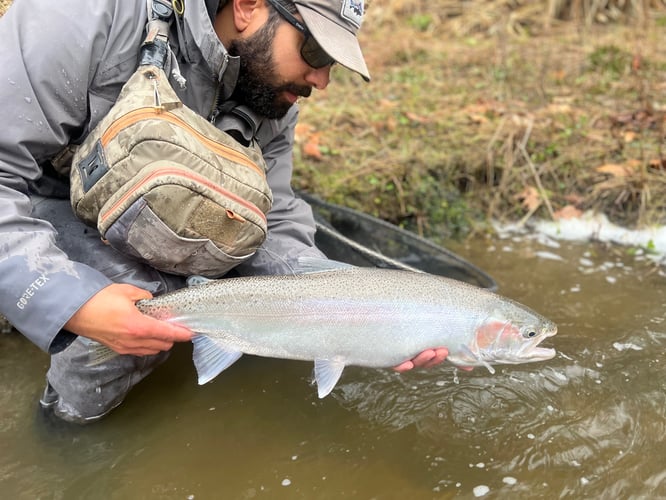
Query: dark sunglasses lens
{"type": "Point", "coordinates": [314, 55]}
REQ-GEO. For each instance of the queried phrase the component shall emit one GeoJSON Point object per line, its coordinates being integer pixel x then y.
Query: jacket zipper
{"type": "Point", "coordinates": [189, 175]}
{"type": "Point", "coordinates": [217, 97]}
{"type": "Point", "coordinates": [150, 112]}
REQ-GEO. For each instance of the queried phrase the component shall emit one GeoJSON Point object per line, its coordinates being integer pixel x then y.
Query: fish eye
{"type": "Point", "coordinates": [529, 334]}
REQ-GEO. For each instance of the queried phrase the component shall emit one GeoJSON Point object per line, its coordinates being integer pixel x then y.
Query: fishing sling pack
{"type": "Point", "coordinates": [166, 186]}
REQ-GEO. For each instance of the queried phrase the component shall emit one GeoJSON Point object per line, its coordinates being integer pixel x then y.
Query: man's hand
{"type": "Point", "coordinates": [111, 318]}
{"type": "Point", "coordinates": [430, 357]}
{"type": "Point", "coordinates": [426, 359]}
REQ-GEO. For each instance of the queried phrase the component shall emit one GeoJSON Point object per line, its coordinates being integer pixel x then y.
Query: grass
{"type": "Point", "coordinates": [495, 113]}
{"type": "Point", "coordinates": [505, 110]}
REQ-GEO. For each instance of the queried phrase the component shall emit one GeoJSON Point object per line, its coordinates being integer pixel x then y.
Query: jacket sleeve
{"type": "Point", "coordinates": [291, 226]}
{"type": "Point", "coordinates": [48, 58]}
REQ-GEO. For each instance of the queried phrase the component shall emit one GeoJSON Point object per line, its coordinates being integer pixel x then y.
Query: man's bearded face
{"type": "Point", "coordinates": [259, 86]}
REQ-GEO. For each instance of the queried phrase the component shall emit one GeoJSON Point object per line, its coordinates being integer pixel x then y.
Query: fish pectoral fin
{"type": "Point", "coordinates": [327, 373]}
{"type": "Point", "coordinates": [482, 361]}
{"type": "Point", "coordinates": [210, 359]}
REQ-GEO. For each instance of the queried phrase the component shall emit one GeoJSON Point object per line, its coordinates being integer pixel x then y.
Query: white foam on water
{"type": "Point", "coordinates": [480, 490]}
{"type": "Point", "coordinates": [626, 346]}
{"type": "Point", "coordinates": [594, 227]}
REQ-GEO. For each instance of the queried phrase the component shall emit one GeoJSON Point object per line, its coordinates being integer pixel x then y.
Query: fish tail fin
{"type": "Point", "coordinates": [327, 373]}
{"type": "Point", "coordinates": [210, 359]}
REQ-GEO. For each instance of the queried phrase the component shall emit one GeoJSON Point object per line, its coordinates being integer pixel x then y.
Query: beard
{"type": "Point", "coordinates": [258, 85]}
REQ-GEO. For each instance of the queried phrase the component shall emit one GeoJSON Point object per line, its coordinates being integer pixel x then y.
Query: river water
{"type": "Point", "coordinates": [589, 423]}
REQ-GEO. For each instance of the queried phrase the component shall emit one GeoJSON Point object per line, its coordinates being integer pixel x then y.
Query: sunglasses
{"type": "Point", "coordinates": [311, 51]}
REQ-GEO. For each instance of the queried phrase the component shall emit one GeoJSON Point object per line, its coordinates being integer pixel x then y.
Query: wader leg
{"type": "Point", "coordinates": [83, 394]}
{"type": "Point", "coordinates": [76, 392]}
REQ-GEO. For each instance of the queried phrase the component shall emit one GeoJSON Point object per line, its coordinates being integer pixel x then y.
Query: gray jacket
{"type": "Point", "coordinates": [63, 65]}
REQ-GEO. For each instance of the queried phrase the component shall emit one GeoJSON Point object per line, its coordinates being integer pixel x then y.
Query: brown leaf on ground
{"type": "Point", "coordinates": [574, 199]}
{"type": "Point", "coordinates": [567, 212]}
{"type": "Point", "coordinates": [311, 146]}
{"type": "Point", "coordinates": [486, 107]}
{"type": "Point", "coordinates": [302, 131]}
{"type": "Point", "coordinates": [413, 117]}
{"type": "Point", "coordinates": [616, 170]}
{"type": "Point", "coordinates": [657, 163]}
{"type": "Point", "coordinates": [630, 136]}
{"type": "Point", "coordinates": [529, 198]}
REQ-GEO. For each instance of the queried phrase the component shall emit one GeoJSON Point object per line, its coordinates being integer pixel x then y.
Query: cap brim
{"type": "Point", "coordinates": [340, 44]}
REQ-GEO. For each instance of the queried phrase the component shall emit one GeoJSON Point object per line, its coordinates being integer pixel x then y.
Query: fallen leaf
{"type": "Point", "coordinates": [614, 169]}
{"type": "Point", "coordinates": [302, 131]}
{"type": "Point", "coordinates": [559, 75]}
{"type": "Point", "coordinates": [630, 136]}
{"type": "Point", "coordinates": [574, 199]}
{"type": "Point", "coordinates": [567, 212]}
{"type": "Point", "coordinates": [415, 118]}
{"type": "Point", "coordinates": [476, 118]}
{"type": "Point", "coordinates": [559, 108]}
{"type": "Point", "coordinates": [529, 198]}
{"type": "Point", "coordinates": [658, 163]}
{"type": "Point", "coordinates": [311, 146]}
{"type": "Point", "coordinates": [387, 104]}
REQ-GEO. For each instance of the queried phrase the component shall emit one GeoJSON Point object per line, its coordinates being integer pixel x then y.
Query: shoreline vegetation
{"type": "Point", "coordinates": [502, 110]}
{"type": "Point", "coordinates": [509, 111]}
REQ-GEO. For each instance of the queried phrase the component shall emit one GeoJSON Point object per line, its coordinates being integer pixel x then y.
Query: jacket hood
{"type": "Point", "coordinates": [197, 34]}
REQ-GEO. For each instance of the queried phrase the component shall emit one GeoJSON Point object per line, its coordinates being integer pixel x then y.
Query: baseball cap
{"type": "Point", "coordinates": [334, 24]}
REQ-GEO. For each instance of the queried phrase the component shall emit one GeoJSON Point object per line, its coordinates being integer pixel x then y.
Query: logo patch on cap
{"type": "Point", "coordinates": [352, 11]}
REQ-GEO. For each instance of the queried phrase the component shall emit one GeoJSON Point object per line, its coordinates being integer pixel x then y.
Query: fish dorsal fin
{"type": "Point", "coordinates": [210, 359]}
{"type": "Point", "coordinates": [308, 265]}
{"type": "Point", "coordinates": [327, 373]}
{"type": "Point", "coordinates": [196, 279]}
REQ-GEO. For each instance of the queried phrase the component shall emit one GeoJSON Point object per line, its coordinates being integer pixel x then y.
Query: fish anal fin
{"type": "Point", "coordinates": [210, 359]}
{"type": "Point", "coordinates": [327, 373]}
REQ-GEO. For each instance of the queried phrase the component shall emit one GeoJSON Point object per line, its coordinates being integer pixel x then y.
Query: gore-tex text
{"type": "Point", "coordinates": [31, 290]}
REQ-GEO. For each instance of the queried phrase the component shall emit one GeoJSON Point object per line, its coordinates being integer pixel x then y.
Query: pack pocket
{"type": "Point", "coordinates": [139, 232]}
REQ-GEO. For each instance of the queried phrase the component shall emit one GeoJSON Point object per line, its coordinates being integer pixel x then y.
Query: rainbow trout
{"type": "Point", "coordinates": [351, 316]}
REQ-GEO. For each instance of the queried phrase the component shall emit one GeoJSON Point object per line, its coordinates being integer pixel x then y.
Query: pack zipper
{"type": "Point", "coordinates": [152, 113]}
{"type": "Point", "coordinates": [188, 175]}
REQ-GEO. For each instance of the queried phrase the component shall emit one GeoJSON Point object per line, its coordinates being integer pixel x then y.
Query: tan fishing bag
{"type": "Point", "coordinates": [164, 185]}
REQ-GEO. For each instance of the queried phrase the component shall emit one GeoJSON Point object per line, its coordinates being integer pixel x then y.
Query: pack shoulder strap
{"type": "Point", "coordinates": [155, 52]}
{"type": "Point", "coordinates": [155, 47]}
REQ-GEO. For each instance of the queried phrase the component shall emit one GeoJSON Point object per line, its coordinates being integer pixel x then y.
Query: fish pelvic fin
{"type": "Point", "coordinates": [210, 359]}
{"type": "Point", "coordinates": [327, 373]}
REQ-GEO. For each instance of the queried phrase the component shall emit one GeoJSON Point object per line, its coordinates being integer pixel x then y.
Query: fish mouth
{"type": "Point", "coordinates": [540, 354]}
{"type": "Point", "coordinates": [532, 351]}
{"type": "Point", "coordinates": [532, 355]}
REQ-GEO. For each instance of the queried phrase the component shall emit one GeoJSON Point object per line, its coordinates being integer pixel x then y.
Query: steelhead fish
{"type": "Point", "coordinates": [351, 316]}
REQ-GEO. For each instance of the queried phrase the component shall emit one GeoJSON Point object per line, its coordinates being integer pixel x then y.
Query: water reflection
{"type": "Point", "coordinates": [589, 423]}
